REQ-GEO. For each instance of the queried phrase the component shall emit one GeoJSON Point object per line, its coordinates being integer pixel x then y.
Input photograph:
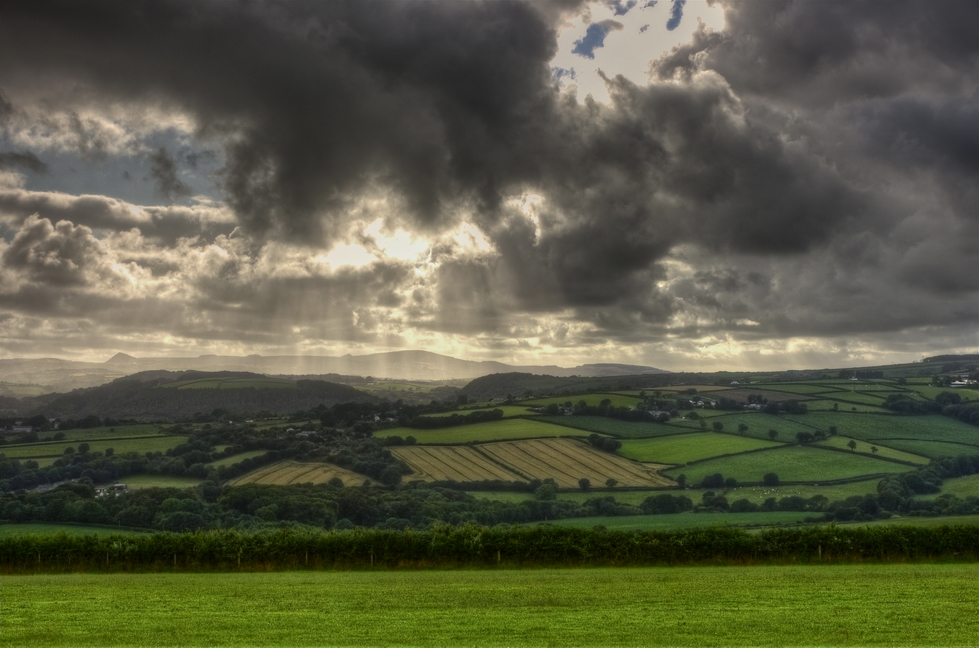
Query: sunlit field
{"type": "Point", "coordinates": [853, 605]}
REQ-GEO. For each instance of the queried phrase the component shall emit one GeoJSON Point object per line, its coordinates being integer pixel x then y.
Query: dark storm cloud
{"type": "Point", "coordinates": [838, 134]}
{"type": "Point", "coordinates": [164, 174]}
{"type": "Point", "coordinates": [22, 160]}
{"type": "Point", "coordinates": [821, 53]}
{"type": "Point", "coordinates": [436, 99]}
{"type": "Point", "coordinates": [594, 38]}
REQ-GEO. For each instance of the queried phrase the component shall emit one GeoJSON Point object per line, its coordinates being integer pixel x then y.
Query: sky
{"type": "Point", "coordinates": [727, 185]}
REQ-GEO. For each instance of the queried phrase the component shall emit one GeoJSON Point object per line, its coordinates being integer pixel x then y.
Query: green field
{"type": "Point", "coordinates": [494, 431]}
{"type": "Point", "coordinates": [137, 482]}
{"type": "Point", "coordinates": [922, 521]}
{"type": "Point", "coordinates": [233, 459]}
{"type": "Point", "coordinates": [116, 432]}
{"type": "Point", "coordinates": [790, 463]}
{"type": "Point", "coordinates": [864, 448]}
{"type": "Point", "coordinates": [618, 400]}
{"type": "Point", "coordinates": [232, 383]}
{"type": "Point", "coordinates": [17, 390]}
{"type": "Point", "coordinates": [10, 530]}
{"type": "Point", "coordinates": [826, 405]}
{"type": "Point", "coordinates": [509, 411]}
{"type": "Point", "coordinates": [960, 486]}
{"type": "Point", "coordinates": [54, 450]}
{"type": "Point", "coordinates": [684, 448]}
{"type": "Point", "coordinates": [931, 449]}
{"type": "Point", "coordinates": [930, 392]}
{"type": "Point", "coordinates": [672, 521]}
{"type": "Point", "coordinates": [845, 398]}
{"type": "Point", "coordinates": [758, 423]}
{"type": "Point", "coordinates": [826, 605]}
{"type": "Point", "coordinates": [870, 427]}
{"type": "Point", "coordinates": [615, 427]}
{"type": "Point", "coordinates": [802, 389]}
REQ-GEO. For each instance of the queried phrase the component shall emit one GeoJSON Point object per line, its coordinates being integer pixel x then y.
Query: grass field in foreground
{"type": "Point", "coordinates": [852, 605]}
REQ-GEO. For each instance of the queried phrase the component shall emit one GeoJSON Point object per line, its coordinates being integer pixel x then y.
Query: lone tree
{"type": "Point", "coordinates": [852, 445]}
{"type": "Point", "coordinates": [611, 482]}
{"type": "Point", "coordinates": [584, 483]}
{"type": "Point", "coordinates": [770, 479]}
{"type": "Point", "coordinates": [718, 426]}
{"type": "Point", "coordinates": [773, 434]}
{"type": "Point", "coordinates": [873, 449]}
{"type": "Point", "coordinates": [742, 428]}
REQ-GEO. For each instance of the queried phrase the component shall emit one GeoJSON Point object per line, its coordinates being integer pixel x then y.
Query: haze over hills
{"type": "Point", "coordinates": [65, 375]}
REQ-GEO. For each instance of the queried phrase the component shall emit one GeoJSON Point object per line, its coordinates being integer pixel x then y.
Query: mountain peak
{"type": "Point", "coordinates": [120, 358]}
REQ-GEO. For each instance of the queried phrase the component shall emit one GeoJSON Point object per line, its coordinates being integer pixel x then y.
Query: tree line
{"type": "Point", "coordinates": [474, 546]}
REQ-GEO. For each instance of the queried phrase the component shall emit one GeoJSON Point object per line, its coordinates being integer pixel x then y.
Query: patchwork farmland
{"type": "Point", "coordinates": [564, 460]}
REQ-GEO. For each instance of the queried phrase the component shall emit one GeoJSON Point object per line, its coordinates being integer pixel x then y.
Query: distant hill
{"type": "Point", "coordinates": [522, 385]}
{"type": "Point", "coordinates": [164, 395]}
{"type": "Point", "coordinates": [64, 375]}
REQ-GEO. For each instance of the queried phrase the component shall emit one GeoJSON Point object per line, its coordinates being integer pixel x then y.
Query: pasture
{"type": "Point", "coordinates": [824, 605]}
{"type": "Point", "coordinates": [236, 458]}
{"type": "Point", "coordinates": [232, 383]}
{"type": "Point", "coordinates": [790, 463]}
{"type": "Point", "coordinates": [614, 427]}
{"type": "Point", "coordinates": [137, 482]}
{"type": "Point", "coordinates": [119, 446]}
{"type": "Point", "coordinates": [509, 411]}
{"type": "Point", "coordinates": [758, 423]}
{"type": "Point", "coordinates": [283, 473]}
{"type": "Point", "coordinates": [871, 427]}
{"type": "Point", "coordinates": [873, 450]}
{"type": "Point", "coordinates": [618, 400]}
{"type": "Point", "coordinates": [684, 448]}
{"type": "Point", "coordinates": [482, 432]}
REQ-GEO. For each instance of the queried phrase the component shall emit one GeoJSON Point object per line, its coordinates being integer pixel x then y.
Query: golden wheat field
{"type": "Point", "coordinates": [566, 461]}
{"type": "Point", "coordinates": [295, 472]}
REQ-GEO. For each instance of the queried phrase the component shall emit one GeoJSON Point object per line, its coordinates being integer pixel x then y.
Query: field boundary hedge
{"type": "Point", "coordinates": [480, 547]}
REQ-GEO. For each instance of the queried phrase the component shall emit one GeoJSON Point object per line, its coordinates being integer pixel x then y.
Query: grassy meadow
{"type": "Point", "coordinates": [791, 464]}
{"type": "Point", "coordinates": [825, 605]}
{"type": "Point", "coordinates": [872, 450]}
{"type": "Point", "coordinates": [684, 448]}
{"type": "Point", "coordinates": [137, 482]}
